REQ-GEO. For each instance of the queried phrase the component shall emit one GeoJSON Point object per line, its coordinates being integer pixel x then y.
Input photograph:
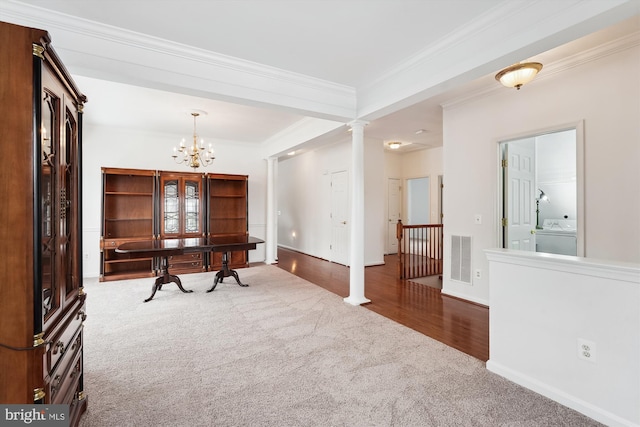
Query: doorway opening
{"type": "Point", "coordinates": [418, 201]}
{"type": "Point", "coordinates": [541, 192]}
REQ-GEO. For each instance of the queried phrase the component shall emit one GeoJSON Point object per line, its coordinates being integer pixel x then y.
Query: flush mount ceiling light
{"type": "Point", "coordinates": [394, 145]}
{"type": "Point", "coordinates": [519, 74]}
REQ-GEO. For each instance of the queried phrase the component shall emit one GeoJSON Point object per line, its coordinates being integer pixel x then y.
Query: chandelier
{"type": "Point", "coordinates": [194, 156]}
{"type": "Point", "coordinates": [519, 74]}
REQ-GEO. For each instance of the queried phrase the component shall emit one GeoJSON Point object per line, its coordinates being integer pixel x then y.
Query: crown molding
{"type": "Point", "coordinates": [552, 69]}
{"type": "Point", "coordinates": [108, 44]}
{"type": "Point", "coordinates": [455, 38]}
{"type": "Point", "coordinates": [471, 51]}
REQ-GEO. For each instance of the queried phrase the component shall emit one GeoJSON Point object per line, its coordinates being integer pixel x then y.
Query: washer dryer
{"type": "Point", "coordinates": [558, 236]}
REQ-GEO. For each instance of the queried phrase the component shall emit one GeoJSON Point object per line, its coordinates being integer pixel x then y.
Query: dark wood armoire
{"type": "Point", "coordinates": [42, 301]}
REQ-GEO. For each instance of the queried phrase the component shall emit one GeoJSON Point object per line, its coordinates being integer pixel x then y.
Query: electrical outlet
{"type": "Point", "coordinates": [477, 274]}
{"type": "Point", "coordinates": [586, 350]}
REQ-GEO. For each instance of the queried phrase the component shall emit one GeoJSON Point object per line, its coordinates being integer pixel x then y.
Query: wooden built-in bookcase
{"type": "Point", "coordinates": [142, 204]}
{"type": "Point", "coordinates": [182, 216]}
{"type": "Point", "coordinates": [128, 214]}
{"type": "Point", "coordinates": [228, 214]}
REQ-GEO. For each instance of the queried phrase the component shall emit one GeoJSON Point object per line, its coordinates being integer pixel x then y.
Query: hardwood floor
{"type": "Point", "coordinates": [454, 322]}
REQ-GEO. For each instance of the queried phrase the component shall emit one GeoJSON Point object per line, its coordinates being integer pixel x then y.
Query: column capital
{"type": "Point", "coordinates": [360, 124]}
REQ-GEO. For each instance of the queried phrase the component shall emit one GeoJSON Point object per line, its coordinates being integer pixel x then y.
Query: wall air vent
{"type": "Point", "coordinates": [461, 259]}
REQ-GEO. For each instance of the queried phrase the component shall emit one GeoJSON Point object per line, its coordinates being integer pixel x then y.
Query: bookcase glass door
{"type": "Point", "coordinates": [181, 200]}
{"type": "Point", "coordinates": [192, 207]}
{"type": "Point", "coordinates": [171, 208]}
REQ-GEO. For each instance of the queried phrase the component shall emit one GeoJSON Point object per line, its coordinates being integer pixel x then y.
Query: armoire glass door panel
{"type": "Point", "coordinates": [70, 184]}
{"type": "Point", "coordinates": [50, 300]}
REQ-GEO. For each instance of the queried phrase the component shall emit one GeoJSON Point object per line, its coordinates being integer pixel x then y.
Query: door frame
{"type": "Point", "coordinates": [580, 214]}
{"type": "Point", "coordinates": [440, 219]}
{"type": "Point", "coordinates": [388, 245]}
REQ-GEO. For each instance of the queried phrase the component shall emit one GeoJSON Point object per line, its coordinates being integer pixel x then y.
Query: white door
{"type": "Point", "coordinates": [339, 217]}
{"type": "Point", "coordinates": [519, 195]}
{"type": "Point", "coordinates": [394, 210]}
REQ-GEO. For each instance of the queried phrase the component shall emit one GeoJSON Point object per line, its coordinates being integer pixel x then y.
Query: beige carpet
{"type": "Point", "coordinates": [281, 352]}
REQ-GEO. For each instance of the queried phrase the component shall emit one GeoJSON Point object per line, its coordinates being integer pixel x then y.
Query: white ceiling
{"type": "Point", "coordinates": [352, 43]}
{"type": "Point", "coordinates": [349, 42]}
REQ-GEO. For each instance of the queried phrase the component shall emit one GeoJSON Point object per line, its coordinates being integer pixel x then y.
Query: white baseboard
{"type": "Point", "coordinates": [586, 408]}
{"type": "Point", "coordinates": [465, 297]}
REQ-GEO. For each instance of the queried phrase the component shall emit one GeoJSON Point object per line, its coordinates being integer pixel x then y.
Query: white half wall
{"type": "Point", "coordinates": [545, 307]}
{"type": "Point", "coordinates": [602, 94]}
{"type": "Point", "coordinates": [123, 148]}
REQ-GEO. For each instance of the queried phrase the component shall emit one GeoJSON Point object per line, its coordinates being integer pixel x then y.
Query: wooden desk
{"type": "Point", "coordinates": [168, 247]}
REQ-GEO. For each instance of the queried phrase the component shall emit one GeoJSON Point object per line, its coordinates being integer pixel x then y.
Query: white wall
{"type": "Point", "coordinates": [601, 93]}
{"type": "Point", "coordinates": [304, 199]}
{"type": "Point", "coordinates": [374, 202]}
{"type": "Point", "coordinates": [543, 308]}
{"type": "Point", "coordinates": [123, 148]}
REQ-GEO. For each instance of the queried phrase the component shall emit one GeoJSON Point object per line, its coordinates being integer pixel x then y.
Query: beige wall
{"type": "Point", "coordinates": [423, 163]}
{"type": "Point", "coordinates": [600, 92]}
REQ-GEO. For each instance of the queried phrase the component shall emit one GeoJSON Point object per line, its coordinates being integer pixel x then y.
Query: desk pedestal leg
{"type": "Point", "coordinates": [225, 272]}
{"type": "Point", "coordinates": [164, 279]}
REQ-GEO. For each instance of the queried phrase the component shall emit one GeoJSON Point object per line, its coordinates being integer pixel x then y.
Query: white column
{"type": "Point", "coordinates": [271, 249]}
{"type": "Point", "coordinates": [356, 270]}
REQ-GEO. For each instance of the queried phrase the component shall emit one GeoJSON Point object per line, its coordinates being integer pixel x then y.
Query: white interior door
{"type": "Point", "coordinates": [394, 211]}
{"type": "Point", "coordinates": [339, 217]}
{"type": "Point", "coordinates": [519, 195]}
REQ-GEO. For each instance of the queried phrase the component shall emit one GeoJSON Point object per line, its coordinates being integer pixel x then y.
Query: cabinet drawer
{"type": "Point", "coordinates": [110, 244]}
{"type": "Point", "coordinates": [66, 341]}
{"type": "Point", "coordinates": [64, 382]}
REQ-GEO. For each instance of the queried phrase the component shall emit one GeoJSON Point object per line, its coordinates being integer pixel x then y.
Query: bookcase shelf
{"type": "Point", "coordinates": [227, 214]}
{"type": "Point", "coordinates": [128, 213]}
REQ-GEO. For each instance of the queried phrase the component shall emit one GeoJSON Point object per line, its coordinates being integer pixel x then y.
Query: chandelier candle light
{"type": "Point", "coordinates": [194, 156]}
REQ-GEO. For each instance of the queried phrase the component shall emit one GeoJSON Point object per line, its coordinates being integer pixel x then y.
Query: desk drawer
{"type": "Point", "coordinates": [187, 263]}
{"type": "Point", "coordinates": [189, 266]}
{"type": "Point", "coordinates": [190, 257]}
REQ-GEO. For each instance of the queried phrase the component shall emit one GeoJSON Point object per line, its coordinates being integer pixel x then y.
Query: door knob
{"type": "Point", "coordinates": [344, 222]}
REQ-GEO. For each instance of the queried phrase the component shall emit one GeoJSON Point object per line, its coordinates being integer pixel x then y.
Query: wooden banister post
{"type": "Point", "coordinates": [399, 230]}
